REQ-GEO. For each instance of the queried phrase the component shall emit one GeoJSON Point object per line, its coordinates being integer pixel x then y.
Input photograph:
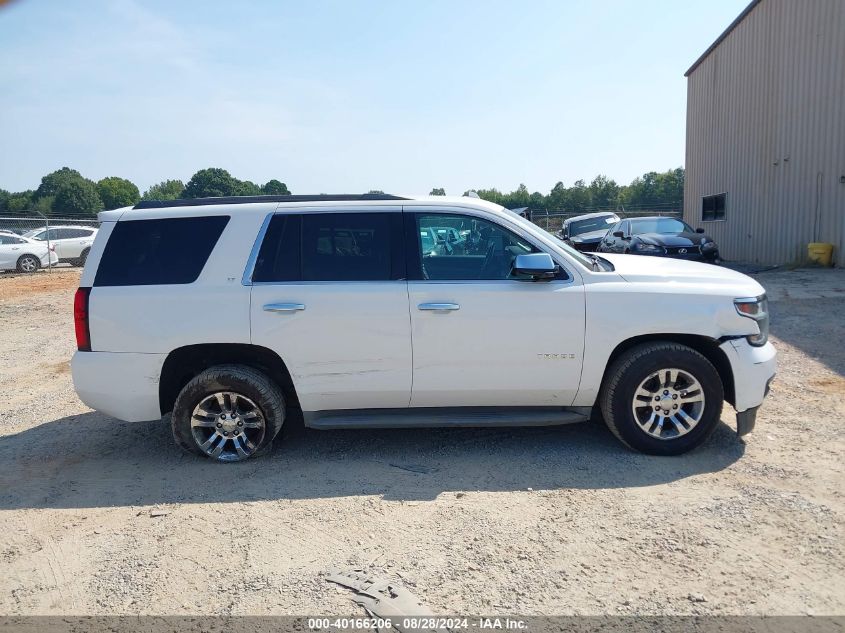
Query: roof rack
{"type": "Point", "coordinates": [323, 197]}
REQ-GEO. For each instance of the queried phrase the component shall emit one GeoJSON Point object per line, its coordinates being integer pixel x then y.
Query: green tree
{"type": "Point", "coordinates": [275, 188]}
{"type": "Point", "coordinates": [579, 196]}
{"type": "Point", "coordinates": [165, 190]}
{"type": "Point", "coordinates": [117, 192]}
{"type": "Point", "coordinates": [516, 199]}
{"type": "Point", "coordinates": [20, 201]}
{"type": "Point", "coordinates": [77, 197]}
{"type": "Point", "coordinates": [51, 183]}
{"type": "Point", "coordinates": [437, 191]}
{"type": "Point", "coordinates": [603, 192]}
{"type": "Point", "coordinates": [491, 195]}
{"type": "Point", "coordinates": [42, 206]}
{"type": "Point", "coordinates": [246, 188]}
{"type": "Point", "coordinates": [558, 198]}
{"type": "Point", "coordinates": [537, 202]}
{"type": "Point", "coordinates": [211, 183]}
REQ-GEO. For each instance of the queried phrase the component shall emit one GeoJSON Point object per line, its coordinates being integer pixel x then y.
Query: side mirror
{"type": "Point", "coordinates": [618, 234]}
{"type": "Point", "coordinates": [535, 266]}
{"type": "Point", "coordinates": [699, 230]}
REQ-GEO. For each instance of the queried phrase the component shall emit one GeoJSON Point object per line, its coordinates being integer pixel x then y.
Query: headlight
{"type": "Point", "coordinates": [647, 248]}
{"type": "Point", "coordinates": [756, 308]}
{"type": "Point", "coordinates": [708, 246]}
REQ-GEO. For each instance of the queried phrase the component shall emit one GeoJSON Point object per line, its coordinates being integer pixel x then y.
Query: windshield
{"type": "Point", "coordinates": [591, 224]}
{"type": "Point", "coordinates": [659, 225]}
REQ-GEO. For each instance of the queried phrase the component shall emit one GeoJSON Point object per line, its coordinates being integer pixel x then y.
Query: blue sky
{"type": "Point", "coordinates": [343, 96]}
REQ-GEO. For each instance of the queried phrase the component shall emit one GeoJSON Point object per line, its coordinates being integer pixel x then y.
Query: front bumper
{"type": "Point", "coordinates": [123, 385]}
{"type": "Point", "coordinates": [753, 370]}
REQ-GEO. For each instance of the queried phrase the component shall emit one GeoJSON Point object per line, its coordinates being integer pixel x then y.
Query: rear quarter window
{"type": "Point", "coordinates": [154, 252]}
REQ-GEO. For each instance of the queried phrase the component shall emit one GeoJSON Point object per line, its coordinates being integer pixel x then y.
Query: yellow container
{"type": "Point", "coordinates": [820, 253]}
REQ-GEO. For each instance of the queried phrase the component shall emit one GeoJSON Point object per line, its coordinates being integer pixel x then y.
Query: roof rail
{"type": "Point", "coordinates": [323, 197]}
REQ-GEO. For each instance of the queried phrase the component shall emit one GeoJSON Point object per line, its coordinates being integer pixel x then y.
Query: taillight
{"type": "Point", "coordinates": [80, 319]}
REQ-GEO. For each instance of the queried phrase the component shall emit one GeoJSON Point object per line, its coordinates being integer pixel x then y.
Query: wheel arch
{"type": "Point", "coordinates": [183, 363]}
{"type": "Point", "coordinates": [706, 346]}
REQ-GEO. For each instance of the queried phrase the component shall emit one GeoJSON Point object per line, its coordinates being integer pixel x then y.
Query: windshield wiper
{"type": "Point", "coordinates": [595, 261]}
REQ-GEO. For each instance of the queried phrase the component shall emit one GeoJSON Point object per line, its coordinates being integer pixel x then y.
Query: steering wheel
{"type": "Point", "coordinates": [488, 258]}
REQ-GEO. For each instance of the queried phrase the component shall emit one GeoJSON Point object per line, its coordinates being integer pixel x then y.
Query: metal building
{"type": "Point", "coordinates": [765, 144]}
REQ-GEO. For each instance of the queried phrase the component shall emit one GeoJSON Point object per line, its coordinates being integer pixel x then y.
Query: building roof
{"type": "Point", "coordinates": [722, 37]}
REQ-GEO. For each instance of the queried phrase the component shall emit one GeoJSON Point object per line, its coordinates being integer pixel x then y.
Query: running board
{"type": "Point", "coordinates": [445, 417]}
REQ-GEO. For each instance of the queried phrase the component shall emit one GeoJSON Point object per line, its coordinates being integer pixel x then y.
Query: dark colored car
{"type": "Point", "coordinates": [661, 237]}
{"type": "Point", "coordinates": [585, 232]}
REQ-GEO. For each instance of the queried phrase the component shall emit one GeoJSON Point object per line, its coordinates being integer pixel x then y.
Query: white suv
{"type": "Point", "coordinates": [237, 313]}
{"type": "Point", "coordinates": [72, 243]}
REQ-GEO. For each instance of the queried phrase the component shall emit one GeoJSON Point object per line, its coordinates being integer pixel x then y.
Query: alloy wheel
{"type": "Point", "coordinates": [668, 404]}
{"type": "Point", "coordinates": [29, 265]}
{"type": "Point", "coordinates": [227, 426]}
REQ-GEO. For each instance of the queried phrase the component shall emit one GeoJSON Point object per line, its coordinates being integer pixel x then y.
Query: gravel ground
{"type": "Point", "coordinates": [102, 516]}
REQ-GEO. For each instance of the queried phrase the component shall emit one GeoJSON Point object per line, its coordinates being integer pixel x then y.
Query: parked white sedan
{"type": "Point", "coordinates": [25, 255]}
{"type": "Point", "coordinates": [72, 242]}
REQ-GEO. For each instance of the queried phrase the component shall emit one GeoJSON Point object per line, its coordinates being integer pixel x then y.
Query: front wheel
{"type": "Point", "coordinates": [662, 398]}
{"type": "Point", "coordinates": [28, 264]}
{"type": "Point", "coordinates": [228, 413]}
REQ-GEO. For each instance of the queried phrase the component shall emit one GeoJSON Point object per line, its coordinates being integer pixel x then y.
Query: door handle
{"type": "Point", "coordinates": [439, 307]}
{"type": "Point", "coordinates": [284, 307]}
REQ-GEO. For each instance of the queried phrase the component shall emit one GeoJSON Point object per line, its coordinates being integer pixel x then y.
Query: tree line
{"type": "Point", "coordinates": [67, 192]}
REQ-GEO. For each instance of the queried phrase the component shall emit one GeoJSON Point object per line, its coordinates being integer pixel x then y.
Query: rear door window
{"type": "Point", "coordinates": [346, 247]}
{"type": "Point", "coordinates": [279, 258]}
{"type": "Point", "coordinates": [331, 247]}
{"type": "Point", "coordinates": [153, 252]}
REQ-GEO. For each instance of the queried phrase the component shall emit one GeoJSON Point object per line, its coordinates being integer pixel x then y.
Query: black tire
{"type": "Point", "coordinates": [25, 261]}
{"type": "Point", "coordinates": [245, 381]}
{"type": "Point", "coordinates": [635, 365]}
{"type": "Point", "coordinates": [83, 257]}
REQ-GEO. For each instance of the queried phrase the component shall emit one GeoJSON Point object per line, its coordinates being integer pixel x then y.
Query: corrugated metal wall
{"type": "Point", "coordinates": [766, 124]}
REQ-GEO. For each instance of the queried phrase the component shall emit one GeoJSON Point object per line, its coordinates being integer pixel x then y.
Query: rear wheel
{"type": "Point", "coordinates": [662, 398]}
{"type": "Point", "coordinates": [28, 264]}
{"type": "Point", "coordinates": [228, 413]}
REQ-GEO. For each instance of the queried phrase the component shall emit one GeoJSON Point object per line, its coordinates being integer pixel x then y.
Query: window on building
{"type": "Point", "coordinates": [713, 207]}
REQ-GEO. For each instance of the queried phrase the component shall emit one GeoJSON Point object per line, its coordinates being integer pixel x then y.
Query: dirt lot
{"type": "Point", "coordinates": [101, 516]}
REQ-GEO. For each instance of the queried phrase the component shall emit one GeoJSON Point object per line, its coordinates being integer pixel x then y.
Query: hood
{"type": "Point", "coordinates": [673, 239]}
{"type": "Point", "coordinates": [639, 269]}
{"type": "Point", "coordinates": [589, 236]}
